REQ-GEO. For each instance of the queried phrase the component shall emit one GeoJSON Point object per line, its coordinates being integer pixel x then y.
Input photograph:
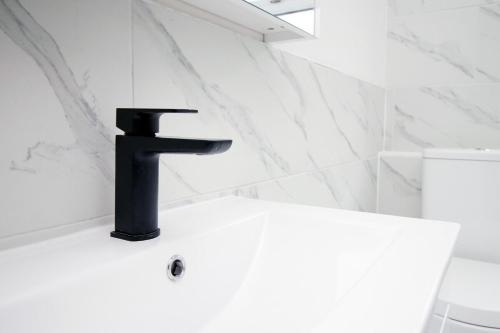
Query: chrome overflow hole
{"type": "Point", "coordinates": [176, 268]}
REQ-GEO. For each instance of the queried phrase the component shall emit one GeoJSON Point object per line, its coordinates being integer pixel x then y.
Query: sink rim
{"type": "Point", "coordinates": [249, 209]}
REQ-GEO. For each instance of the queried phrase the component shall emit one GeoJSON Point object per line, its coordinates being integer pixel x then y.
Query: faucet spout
{"type": "Point", "coordinates": [162, 145]}
{"type": "Point", "coordinates": [137, 167]}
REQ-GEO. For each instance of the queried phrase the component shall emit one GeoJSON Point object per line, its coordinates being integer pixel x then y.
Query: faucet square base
{"type": "Point", "coordinates": [135, 238]}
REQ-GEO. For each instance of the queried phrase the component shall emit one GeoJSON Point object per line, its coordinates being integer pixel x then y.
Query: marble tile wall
{"type": "Point", "coordinates": [443, 82]}
{"type": "Point", "coordinates": [407, 7]}
{"type": "Point", "coordinates": [400, 185]}
{"type": "Point", "coordinates": [302, 132]}
{"type": "Point", "coordinates": [61, 77]}
{"type": "Point", "coordinates": [458, 46]}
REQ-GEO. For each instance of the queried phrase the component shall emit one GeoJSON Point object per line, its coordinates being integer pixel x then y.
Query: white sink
{"type": "Point", "coordinates": [251, 266]}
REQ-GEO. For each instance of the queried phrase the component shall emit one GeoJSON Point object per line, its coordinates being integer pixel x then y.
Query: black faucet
{"type": "Point", "coordinates": [137, 157]}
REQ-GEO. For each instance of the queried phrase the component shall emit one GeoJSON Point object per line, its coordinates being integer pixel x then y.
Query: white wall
{"type": "Point", "coordinates": [352, 39]}
{"type": "Point", "coordinates": [302, 132]}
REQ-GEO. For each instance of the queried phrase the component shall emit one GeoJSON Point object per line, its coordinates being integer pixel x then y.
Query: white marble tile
{"type": "Point", "coordinates": [488, 63]}
{"type": "Point", "coordinates": [399, 184]}
{"type": "Point", "coordinates": [445, 48]}
{"type": "Point", "coordinates": [60, 81]}
{"type": "Point", "coordinates": [461, 117]}
{"type": "Point", "coordinates": [404, 7]}
{"type": "Point", "coordinates": [408, 7]}
{"type": "Point", "coordinates": [66, 65]}
{"type": "Point", "coordinates": [309, 188]}
{"type": "Point", "coordinates": [433, 5]}
{"type": "Point", "coordinates": [171, 65]}
{"type": "Point", "coordinates": [355, 185]}
{"type": "Point", "coordinates": [444, 88]}
{"type": "Point", "coordinates": [356, 113]}
{"type": "Point", "coordinates": [347, 186]}
{"type": "Point", "coordinates": [285, 115]}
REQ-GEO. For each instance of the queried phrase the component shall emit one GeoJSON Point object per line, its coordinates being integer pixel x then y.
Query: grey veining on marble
{"type": "Point", "coordinates": [459, 46]}
{"type": "Point", "coordinates": [402, 120]}
{"type": "Point", "coordinates": [474, 111]}
{"type": "Point", "coordinates": [454, 117]}
{"type": "Point", "coordinates": [41, 150]}
{"type": "Point", "coordinates": [448, 53]}
{"type": "Point", "coordinates": [296, 117]}
{"type": "Point", "coordinates": [346, 186]}
{"type": "Point", "coordinates": [302, 132]}
{"type": "Point", "coordinates": [332, 114]}
{"type": "Point", "coordinates": [60, 80]}
{"type": "Point", "coordinates": [491, 11]}
{"type": "Point", "coordinates": [443, 89]}
{"type": "Point", "coordinates": [489, 42]}
{"type": "Point", "coordinates": [409, 7]}
{"type": "Point", "coordinates": [298, 103]}
{"type": "Point", "coordinates": [199, 92]}
{"type": "Point", "coordinates": [399, 191]}
{"type": "Point", "coordinates": [443, 75]}
{"type": "Point", "coordinates": [91, 135]}
{"type": "Point", "coordinates": [351, 182]}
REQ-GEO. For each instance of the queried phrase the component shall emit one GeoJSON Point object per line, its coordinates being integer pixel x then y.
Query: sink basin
{"type": "Point", "coordinates": [250, 266]}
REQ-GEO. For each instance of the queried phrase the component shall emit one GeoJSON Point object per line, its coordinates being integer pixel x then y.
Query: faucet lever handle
{"type": "Point", "coordinates": [144, 122]}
